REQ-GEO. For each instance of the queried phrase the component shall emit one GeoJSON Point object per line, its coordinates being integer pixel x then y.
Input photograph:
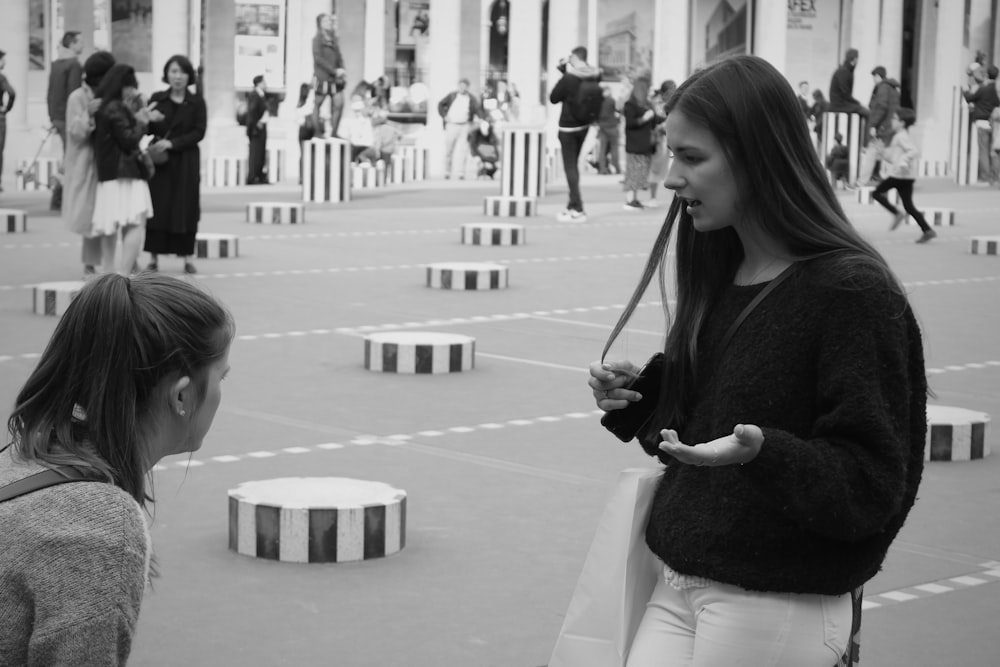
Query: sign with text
{"type": "Point", "coordinates": [259, 44]}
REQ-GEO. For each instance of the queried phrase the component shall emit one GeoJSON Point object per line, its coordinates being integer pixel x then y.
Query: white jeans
{"type": "Point", "coordinates": [693, 622]}
{"type": "Point", "coordinates": [456, 148]}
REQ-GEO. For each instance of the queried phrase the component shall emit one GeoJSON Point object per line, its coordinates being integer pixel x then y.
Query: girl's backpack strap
{"type": "Point", "coordinates": [44, 479]}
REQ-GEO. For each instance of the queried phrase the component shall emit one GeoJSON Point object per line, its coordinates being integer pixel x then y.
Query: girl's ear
{"type": "Point", "coordinates": [181, 396]}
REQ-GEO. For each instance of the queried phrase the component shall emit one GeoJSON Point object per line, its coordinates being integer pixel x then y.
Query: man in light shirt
{"type": "Point", "coordinates": [458, 109]}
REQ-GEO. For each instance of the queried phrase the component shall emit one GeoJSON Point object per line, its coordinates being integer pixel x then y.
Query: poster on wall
{"type": "Point", "coordinates": [102, 25]}
{"type": "Point", "coordinates": [259, 44]}
{"type": "Point", "coordinates": [813, 34]}
{"type": "Point", "coordinates": [36, 34]}
{"type": "Point", "coordinates": [414, 22]}
{"type": "Point", "coordinates": [132, 33]}
{"type": "Point", "coordinates": [719, 28]}
{"type": "Point", "coordinates": [625, 38]}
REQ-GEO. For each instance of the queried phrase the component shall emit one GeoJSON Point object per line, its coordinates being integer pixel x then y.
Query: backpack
{"type": "Point", "coordinates": [589, 97]}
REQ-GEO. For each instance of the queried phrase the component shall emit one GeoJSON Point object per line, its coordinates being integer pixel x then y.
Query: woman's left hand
{"type": "Point", "coordinates": [741, 446]}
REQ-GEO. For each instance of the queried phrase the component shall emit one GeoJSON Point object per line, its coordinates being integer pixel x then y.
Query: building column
{"type": "Point", "coordinates": [865, 38]}
{"type": "Point", "coordinates": [442, 78]}
{"type": "Point", "coordinates": [671, 46]}
{"type": "Point", "coordinates": [524, 57]}
{"type": "Point", "coordinates": [948, 66]}
{"type": "Point", "coordinates": [170, 36]}
{"type": "Point", "coordinates": [593, 43]}
{"type": "Point", "coordinates": [770, 33]}
{"type": "Point", "coordinates": [224, 137]}
{"type": "Point", "coordinates": [890, 48]}
{"type": "Point", "coordinates": [375, 20]}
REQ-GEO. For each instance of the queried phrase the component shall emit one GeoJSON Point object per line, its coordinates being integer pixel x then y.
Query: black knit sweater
{"type": "Point", "coordinates": [830, 366]}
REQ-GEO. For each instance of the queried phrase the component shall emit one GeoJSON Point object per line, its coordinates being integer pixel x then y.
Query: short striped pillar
{"type": "Point", "coordinates": [419, 352]}
{"type": "Point", "coordinates": [509, 207]}
{"type": "Point", "coordinates": [14, 220]}
{"type": "Point", "coordinates": [216, 246]}
{"type": "Point", "coordinates": [553, 164]}
{"type": "Point", "coordinates": [985, 245]}
{"type": "Point", "coordinates": [414, 160]}
{"type": "Point", "coordinates": [396, 172]}
{"type": "Point", "coordinates": [956, 434]}
{"type": "Point", "coordinates": [225, 172]}
{"type": "Point", "coordinates": [326, 170]}
{"type": "Point", "coordinates": [54, 298]}
{"type": "Point", "coordinates": [522, 165]}
{"type": "Point", "coordinates": [276, 213]}
{"type": "Point", "coordinates": [275, 161]}
{"type": "Point", "coordinates": [936, 217]}
{"type": "Point", "coordinates": [852, 127]}
{"type": "Point", "coordinates": [467, 276]}
{"type": "Point", "coordinates": [934, 168]}
{"type": "Point", "coordinates": [366, 176]}
{"type": "Point", "coordinates": [964, 141]}
{"type": "Point", "coordinates": [317, 519]}
{"type": "Point", "coordinates": [493, 233]}
{"type": "Point", "coordinates": [42, 174]}
{"type": "Point", "coordinates": [865, 193]}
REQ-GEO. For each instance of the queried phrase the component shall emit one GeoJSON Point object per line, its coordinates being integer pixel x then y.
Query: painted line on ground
{"type": "Point", "coordinates": [533, 362]}
{"type": "Point", "coordinates": [989, 575]}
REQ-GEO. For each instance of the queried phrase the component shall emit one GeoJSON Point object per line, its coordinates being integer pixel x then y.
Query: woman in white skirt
{"type": "Point", "coordinates": [123, 200]}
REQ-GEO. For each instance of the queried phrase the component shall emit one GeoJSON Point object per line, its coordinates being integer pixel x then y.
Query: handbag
{"type": "Point", "coordinates": [157, 155]}
{"type": "Point", "coordinates": [147, 169]}
{"type": "Point", "coordinates": [617, 580]}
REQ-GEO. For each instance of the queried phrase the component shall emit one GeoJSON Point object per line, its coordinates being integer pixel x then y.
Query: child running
{"type": "Point", "coordinates": [903, 156]}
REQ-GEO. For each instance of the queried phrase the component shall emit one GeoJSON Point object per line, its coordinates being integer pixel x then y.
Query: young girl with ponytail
{"type": "Point", "coordinates": [131, 374]}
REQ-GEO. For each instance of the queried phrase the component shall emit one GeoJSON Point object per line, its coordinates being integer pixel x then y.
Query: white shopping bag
{"type": "Point", "coordinates": [616, 582]}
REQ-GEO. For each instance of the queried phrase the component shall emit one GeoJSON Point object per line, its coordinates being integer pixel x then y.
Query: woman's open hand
{"type": "Point", "coordinates": [741, 446]}
{"type": "Point", "coordinates": [608, 380]}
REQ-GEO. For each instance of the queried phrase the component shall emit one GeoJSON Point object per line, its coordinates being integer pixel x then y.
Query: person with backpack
{"type": "Point", "coordinates": [581, 96]}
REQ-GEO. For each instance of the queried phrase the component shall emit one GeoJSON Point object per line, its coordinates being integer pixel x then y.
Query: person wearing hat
{"type": "Point", "coordinates": [257, 131]}
{"type": "Point", "coordinates": [80, 170]}
{"type": "Point", "coordinates": [884, 103]}
{"type": "Point", "coordinates": [842, 87]}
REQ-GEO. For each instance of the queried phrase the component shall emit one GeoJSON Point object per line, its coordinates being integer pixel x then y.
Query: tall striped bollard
{"type": "Point", "coordinates": [852, 127]}
{"type": "Point", "coordinates": [326, 170]}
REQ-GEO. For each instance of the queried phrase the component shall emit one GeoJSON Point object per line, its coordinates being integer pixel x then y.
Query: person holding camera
{"type": "Point", "coordinates": [789, 410]}
{"type": "Point", "coordinates": [329, 76]}
{"type": "Point", "coordinates": [579, 91]}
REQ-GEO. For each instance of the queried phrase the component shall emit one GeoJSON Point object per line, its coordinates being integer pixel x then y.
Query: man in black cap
{"type": "Point", "coordinates": [842, 87]}
{"type": "Point", "coordinates": [884, 103]}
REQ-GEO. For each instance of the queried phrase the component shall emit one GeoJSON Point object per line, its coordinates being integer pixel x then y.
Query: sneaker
{"type": "Point", "coordinates": [565, 215]}
{"type": "Point", "coordinates": [153, 266]}
{"type": "Point", "coordinates": [927, 236]}
{"type": "Point", "coordinates": [897, 220]}
{"type": "Point", "coordinates": [577, 216]}
{"type": "Point", "coordinates": [652, 203]}
{"type": "Point", "coordinates": [633, 205]}
{"type": "Point", "coordinates": [89, 270]}
{"type": "Point", "coordinates": [189, 268]}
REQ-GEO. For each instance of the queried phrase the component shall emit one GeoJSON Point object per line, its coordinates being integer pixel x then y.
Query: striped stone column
{"type": "Point", "coordinates": [216, 246]}
{"type": "Point", "coordinates": [419, 352]}
{"type": "Point", "coordinates": [467, 276]}
{"type": "Point", "coordinates": [510, 207]}
{"type": "Point", "coordinates": [54, 298]}
{"type": "Point", "coordinates": [276, 213]}
{"type": "Point", "coordinates": [523, 162]}
{"type": "Point", "coordinates": [936, 217]}
{"type": "Point", "coordinates": [41, 174]}
{"type": "Point", "coordinates": [852, 127]}
{"type": "Point", "coordinates": [493, 233]}
{"type": "Point", "coordinates": [14, 220]}
{"type": "Point", "coordinates": [326, 170]}
{"type": "Point", "coordinates": [956, 434]}
{"type": "Point", "coordinates": [964, 142]}
{"type": "Point", "coordinates": [317, 519]}
{"type": "Point", "coordinates": [225, 172]}
{"type": "Point", "coordinates": [985, 245]}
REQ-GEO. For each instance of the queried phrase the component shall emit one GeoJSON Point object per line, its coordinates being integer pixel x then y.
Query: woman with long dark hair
{"type": "Point", "coordinates": [791, 414]}
{"type": "Point", "coordinates": [176, 187]}
{"type": "Point", "coordinates": [131, 374]}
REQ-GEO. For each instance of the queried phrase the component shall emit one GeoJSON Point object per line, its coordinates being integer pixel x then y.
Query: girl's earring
{"type": "Point", "coordinates": [183, 412]}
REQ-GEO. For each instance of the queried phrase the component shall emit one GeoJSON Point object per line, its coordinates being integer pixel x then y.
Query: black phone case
{"type": "Point", "coordinates": [627, 422]}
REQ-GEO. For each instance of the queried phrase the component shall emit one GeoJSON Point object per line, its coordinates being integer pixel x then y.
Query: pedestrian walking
{"type": "Point", "coordinates": [659, 162]}
{"type": "Point", "coordinates": [983, 99]}
{"type": "Point", "coordinates": [329, 75]}
{"type": "Point", "coordinates": [122, 202]}
{"type": "Point", "coordinates": [607, 134]}
{"type": "Point", "coordinates": [640, 119]}
{"type": "Point", "coordinates": [175, 190]}
{"type": "Point", "coordinates": [80, 169]}
{"type": "Point", "coordinates": [132, 374]}
{"type": "Point", "coordinates": [458, 110]}
{"type": "Point", "coordinates": [257, 119]}
{"type": "Point", "coordinates": [769, 418]}
{"type": "Point", "coordinates": [904, 164]}
{"type": "Point", "coordinates": [7, 95]}
{"type": "Point", "coordinates": [884, 103]}
{"type": "Point", "coordinates": [804, 99]}
{"type": "Point", "coordinates": [65, 76]}
{"type": "Point", "coordinates": [842, 87]}
{"type": "Point", "coordinates": [580, 94]}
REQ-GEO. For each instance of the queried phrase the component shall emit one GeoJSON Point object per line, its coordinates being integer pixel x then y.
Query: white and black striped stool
{"type": "Point", "coordinates": [42, 174]}
{"type": "Point", "coordinates": [326, 170]}
{"type": "Point", "coordinates": [936, 217]}
{"type": "Point", "coordinates": [851, 127]}
{"type": "Point", "coordinates": [414, 160]}
{"type": "Point", "coordinates": [934, 168]}
{"type": "Point", "coordinates": [554, 164]}
{"type": "Point", "coordinates": [956, 434]}
{"type": "Point", "coordinates": [396, 171]}
{"type": "Point", "coordinates": [317, 519]}
{"type": "Point", "coordinates": [216, 246]}
{"type": "Point", "coordinates": [985, 245]}
{"type": "Point", "coordinates": [467, 276]}
{"type": "Point", "coordinates": [522, 162]}
{"type": "Point", "coordinates": [274, 164]}
{"type": "Point", "coordinates": [54, 298]}
{"type": "Point", "coordinates": [14, 220]}
{"type": "Point", "coordinates": [493, 233]}
{"type": "Point", "coordinates": [510, 207]}
{"type": "Point", "coordinates": [365, 176]}
{"type": "Point", "coordinates": [419, 352]}
{"type": "Point", "coordinates": [865, 193]}
{"type": "Point", "coordinates": [225, 172]}
{"type": "Point", "coordinates": [276, 213]}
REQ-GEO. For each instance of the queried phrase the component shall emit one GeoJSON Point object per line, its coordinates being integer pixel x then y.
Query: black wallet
{"type": "Point", "coordinates": [628, 421]}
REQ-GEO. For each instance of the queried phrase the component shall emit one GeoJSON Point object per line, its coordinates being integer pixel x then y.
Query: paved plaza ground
{"type": "Point", "coordinates": [506, 467]}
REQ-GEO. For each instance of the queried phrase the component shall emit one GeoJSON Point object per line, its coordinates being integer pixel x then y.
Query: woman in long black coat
{"type": "Point", "coordinates": [175, 188]}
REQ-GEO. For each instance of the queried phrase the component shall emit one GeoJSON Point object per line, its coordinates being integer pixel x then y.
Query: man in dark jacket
{"type": "Point", "coordinates": [983, 99]}
{"type": "Point", "coordinates": [329, 77]}
{"type": "Point", "coordinates": [65, 76]}
{"type": "Point", "coordinates": [573, 124]}
{"type": "Point", "coordinates": [842, 87]}
{"type": "Point", "coordinates": [257, 132]}
{"type": "Point", "coordinates": [884, 103]}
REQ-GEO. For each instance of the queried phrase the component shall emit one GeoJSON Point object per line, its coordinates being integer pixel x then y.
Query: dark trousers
{"type": "Point", "coordinates": [904, 186]}
{"type": "Point", "coordinates": [571, 143]}
{"type": "Point", "coordinates": [336, 108]}
{"type": "Point", "coordinates": [3, 139]}
{"type": "Point", "coordinates": [258, 154]}
{"type": "Point", "coordinates": [607, 150]}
